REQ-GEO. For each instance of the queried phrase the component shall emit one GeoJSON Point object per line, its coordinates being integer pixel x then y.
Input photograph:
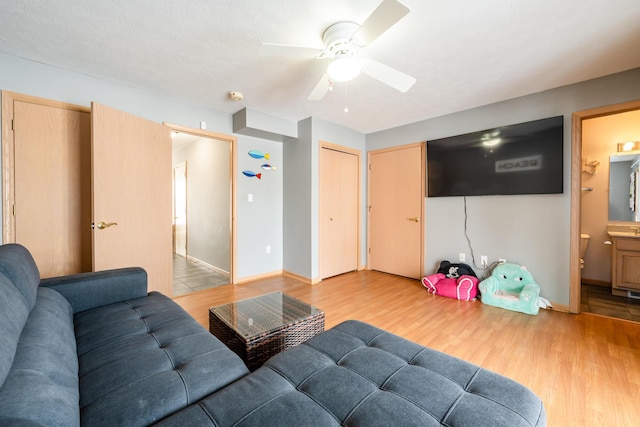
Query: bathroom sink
{"type": "Point", "coordinates": [630, 233]}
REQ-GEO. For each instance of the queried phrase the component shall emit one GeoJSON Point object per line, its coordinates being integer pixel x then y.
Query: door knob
{"type": "Point", "coordinates": [414, 219]}
{"type": "Point", "coordinates": [102, 225]}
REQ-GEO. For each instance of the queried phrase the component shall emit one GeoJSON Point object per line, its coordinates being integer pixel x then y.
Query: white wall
{"type": "Point", "coordinates": [257, 224]}
{"type": "Point", "coordinates": [528, 230]}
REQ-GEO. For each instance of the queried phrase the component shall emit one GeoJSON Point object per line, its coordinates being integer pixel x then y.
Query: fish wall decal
{"type": "Point", "coordinates": [251, 174]}
{"type": "Point", "coordinates": [268, 167]}
{"type": "Point", "coordinates": [258, 154]}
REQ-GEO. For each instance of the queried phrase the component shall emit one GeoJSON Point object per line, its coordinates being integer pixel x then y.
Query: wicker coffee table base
{"type": "Point", "coordinates": [258, 349]}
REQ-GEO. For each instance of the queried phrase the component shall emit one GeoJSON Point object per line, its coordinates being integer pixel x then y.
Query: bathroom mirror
{"type": "Point", "coordinates": [623, 182]}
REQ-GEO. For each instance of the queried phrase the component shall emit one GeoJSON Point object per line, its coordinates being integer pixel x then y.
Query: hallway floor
{"type": "Point", "coordinates": [190, 276]}
{"type": "Point", "coordinates": [598, 300]}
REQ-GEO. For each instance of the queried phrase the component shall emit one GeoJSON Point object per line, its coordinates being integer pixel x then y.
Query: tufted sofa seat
{"type": "Point", "coordinates": [96, 349]}
{"type": "Point", "coordinates": [144, 358]}
{"type": "Point", "coordinates": [357, 375]}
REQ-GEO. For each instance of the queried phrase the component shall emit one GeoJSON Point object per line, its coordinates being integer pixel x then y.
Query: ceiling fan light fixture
{"type": "Point", "coordinates": [344, 68]}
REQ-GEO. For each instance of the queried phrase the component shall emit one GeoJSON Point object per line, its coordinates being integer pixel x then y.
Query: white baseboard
{"type": "Point", "coordinates": [209, 266]}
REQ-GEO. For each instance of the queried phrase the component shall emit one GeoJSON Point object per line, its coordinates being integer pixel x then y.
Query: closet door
{"type": "Point", "coordinates": [339, 201]}
{"type": "Point", "coordinates": [47, 182]}
{"type": "Point", "coordinates": [132, 195]}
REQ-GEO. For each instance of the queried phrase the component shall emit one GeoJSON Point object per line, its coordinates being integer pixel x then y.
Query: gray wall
{"type": "Point", "coordinates": [260, 221]}
{"type": "Point", "coordinates": [297, 201]}
{"type": "Point", "coordinates": [208, 200]}
{"type": "Point", "coordinates": [301, 189]}
{"type": "Point", "coordinates": [258, 224]}
{"type": "Point", "coordinates": [528, 230]}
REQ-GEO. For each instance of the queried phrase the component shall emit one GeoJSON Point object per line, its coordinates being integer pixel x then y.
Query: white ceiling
{"type": "Point", "coordinates": [464, 53]}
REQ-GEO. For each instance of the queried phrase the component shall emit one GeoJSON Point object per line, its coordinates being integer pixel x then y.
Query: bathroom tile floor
{"type": "Point", "coordinates": [191, 276]}
{"type": "Point", "coordinates": [598, 300]}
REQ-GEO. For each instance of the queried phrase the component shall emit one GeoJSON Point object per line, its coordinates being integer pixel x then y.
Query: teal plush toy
{"type": "Point", "coordinates": [511, 287]}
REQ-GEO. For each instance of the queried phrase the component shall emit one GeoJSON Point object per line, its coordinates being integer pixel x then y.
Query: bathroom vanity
{"type": "Point", "coordinates": [625, 262]}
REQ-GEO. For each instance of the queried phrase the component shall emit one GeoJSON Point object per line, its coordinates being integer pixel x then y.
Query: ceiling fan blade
{"type": "Point", "coordinates": [386, 14]}
{"type": "Point", "coordinates": [272, 49]}
{"type": "Point", "coordinates": [387, 75]}
{"type": "Point", "coordinates": [320, 90]}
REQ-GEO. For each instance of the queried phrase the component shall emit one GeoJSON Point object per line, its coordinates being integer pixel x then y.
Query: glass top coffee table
{"type": "Point", "coordinates": [261, 327]}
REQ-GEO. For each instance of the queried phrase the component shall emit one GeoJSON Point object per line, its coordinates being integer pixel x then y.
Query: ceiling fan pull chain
{"type": "Point", "coordinates": [346, 98]}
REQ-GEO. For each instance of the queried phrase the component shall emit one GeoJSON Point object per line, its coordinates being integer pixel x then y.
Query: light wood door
{"type": "Point", "coordinates": [52, 185]}
{"type": "Point", "coordinates": [396, 204]}
{"type": "Point", "coordinates": [339, 199]}
{"type": "Point", "coordinates": [132, 190]}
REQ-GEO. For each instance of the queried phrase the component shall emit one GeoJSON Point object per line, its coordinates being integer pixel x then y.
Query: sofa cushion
{"type": "Point", "coordinates": [144, 359]}
{"type": "Point", "coordinates": [41, 388]}
{"type": "Point", "coordinates": [264, 398]}
{"type": "Point", "coordinates": [356, 374]}
{"type": "Point", "coordinates": [19, 279]}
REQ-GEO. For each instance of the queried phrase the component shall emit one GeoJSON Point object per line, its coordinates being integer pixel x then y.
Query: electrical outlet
{"type": "Point", "coordinates": [461, 257]}
{"type": "Point", "coordinates": [268, 249]}
{"type": "Point", "coordinates": [483, 261]}
{"type": "Point", "coordinates": [502, 260]}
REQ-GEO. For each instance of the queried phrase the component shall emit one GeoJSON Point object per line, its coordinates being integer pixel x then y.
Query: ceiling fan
{"type": "Point", "coordinates": [342, 43]}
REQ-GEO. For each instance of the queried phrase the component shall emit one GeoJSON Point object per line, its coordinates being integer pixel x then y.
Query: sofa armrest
{"type": "Point", "coordinates": [90, 290]}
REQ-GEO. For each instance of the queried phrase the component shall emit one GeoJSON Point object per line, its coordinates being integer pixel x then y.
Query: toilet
{"type": "Point", "coordinates": [584, 242]}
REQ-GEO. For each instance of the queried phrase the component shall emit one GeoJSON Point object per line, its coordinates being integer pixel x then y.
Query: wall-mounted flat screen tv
{"type": "Point", "coordinates": [524, 158]}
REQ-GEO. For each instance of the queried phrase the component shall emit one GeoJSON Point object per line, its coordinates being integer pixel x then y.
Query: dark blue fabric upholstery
{"type": "Point", "coordinates": [19, 279]}
{"type": "Point", "coordinates": [90, 290]}
{"type": "Point", "coordinates": [18, 265]}
{"type": "Point", "coordinates": [126, 358]}
{"type": "Point", "coordinates": [95, 349]}
{"type": "Point", "coordinates": [143, 359]}
{"type": "Point", "coordinates": [356, 374]}
{"type": "Point", "coordinates": [41, 388]}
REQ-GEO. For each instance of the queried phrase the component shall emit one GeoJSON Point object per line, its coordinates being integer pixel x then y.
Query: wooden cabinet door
{"type": "Point", "coordinates": [628, 270]}
{"type": "Point", "coordinates": [396, 203]}
{"type": "Point", "coordinates": [132, 190]}
{"type": "Point", "coordinates": [339, 202]}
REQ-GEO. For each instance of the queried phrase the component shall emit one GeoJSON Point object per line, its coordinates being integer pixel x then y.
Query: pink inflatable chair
{"type": "Point", "coordinates": [454, 281]}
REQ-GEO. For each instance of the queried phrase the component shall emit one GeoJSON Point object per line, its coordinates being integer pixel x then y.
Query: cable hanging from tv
{"type": "Point", "coordinates": [485, 269]}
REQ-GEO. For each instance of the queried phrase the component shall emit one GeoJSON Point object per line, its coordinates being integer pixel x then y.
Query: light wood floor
{"type": "Point", "coordinates": [586, 368]}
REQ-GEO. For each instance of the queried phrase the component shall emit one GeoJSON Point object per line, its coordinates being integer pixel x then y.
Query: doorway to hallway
{"type": "Point", "coordinates": [203, 213]}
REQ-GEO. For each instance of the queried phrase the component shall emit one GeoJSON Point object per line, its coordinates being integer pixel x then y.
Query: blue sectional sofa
{"type": "Point", "coordinates": [97, 349]}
